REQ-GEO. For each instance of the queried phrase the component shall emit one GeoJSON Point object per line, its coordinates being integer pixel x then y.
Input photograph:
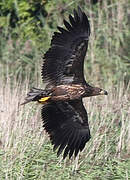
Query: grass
{"type": "Point", "coordinates": [26, 152]}
{"type": "Point", "coordinates": [108, 50]}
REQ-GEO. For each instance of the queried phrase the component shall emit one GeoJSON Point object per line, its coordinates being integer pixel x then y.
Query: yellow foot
{"type": "Point", "coordinates": [42, 100]}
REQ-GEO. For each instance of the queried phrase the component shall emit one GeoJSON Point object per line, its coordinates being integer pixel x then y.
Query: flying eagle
{"type": "Point", "coordinates": [64, 116]}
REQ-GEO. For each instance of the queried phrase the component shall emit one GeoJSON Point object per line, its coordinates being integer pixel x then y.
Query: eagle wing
{"type": "Point", "coordinates": [67, 125]}
{"type": "Point", "coordinates": [64, 61]}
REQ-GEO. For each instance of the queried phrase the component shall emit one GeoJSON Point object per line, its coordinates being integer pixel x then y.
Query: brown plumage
{"type": "Point", "coordinates": [64, 116]}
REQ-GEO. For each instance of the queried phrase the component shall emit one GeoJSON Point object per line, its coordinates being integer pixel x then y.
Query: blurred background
{"type": "Point", "coordinates": [26, 28]}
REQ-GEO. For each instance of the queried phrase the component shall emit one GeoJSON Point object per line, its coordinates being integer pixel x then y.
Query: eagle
{"type": "Point", "coordinates": [64, 116]}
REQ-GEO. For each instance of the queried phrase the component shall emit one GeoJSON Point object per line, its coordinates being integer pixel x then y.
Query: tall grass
{"type": "Point", "coordinates": [108, 52]}
{"type": "Point", "coordinates": [26, 153]}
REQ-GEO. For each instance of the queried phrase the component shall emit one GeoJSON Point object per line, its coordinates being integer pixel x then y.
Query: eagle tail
{"type": "Point", "coordinates": [38, 95]}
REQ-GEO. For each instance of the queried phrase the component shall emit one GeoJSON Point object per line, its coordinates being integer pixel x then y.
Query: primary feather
{"type": "Point", "coordinates": [64, 61]}
{"type": "Point", "coordinates": [67, 125]}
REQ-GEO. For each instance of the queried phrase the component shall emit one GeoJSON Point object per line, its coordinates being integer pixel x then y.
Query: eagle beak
{"type": "Point", "coordinates": [103, 92]}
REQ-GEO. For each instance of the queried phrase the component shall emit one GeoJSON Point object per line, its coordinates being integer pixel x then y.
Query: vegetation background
{"type": "Point", "coordinates": [26, 28]}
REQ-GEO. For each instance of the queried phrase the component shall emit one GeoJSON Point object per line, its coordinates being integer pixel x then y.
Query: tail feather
{"type": "Point", "coordinates": [36, 94]}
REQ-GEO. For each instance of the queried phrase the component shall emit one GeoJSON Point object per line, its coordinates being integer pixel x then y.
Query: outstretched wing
{"type": "Point", "coordinates": [64, 61]}
{"type": "Point", "coordinates": [67, 125]}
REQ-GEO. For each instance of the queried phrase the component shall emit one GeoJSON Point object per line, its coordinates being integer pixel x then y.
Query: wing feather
{"type": "Point", "coordinates": [67, 125]}
{"type": "Point", "coordinates": [76, 16]}
{"type": "Point", "coordinates": [67, 25]}
{"type": "Point", "coordinates": [64, 61]}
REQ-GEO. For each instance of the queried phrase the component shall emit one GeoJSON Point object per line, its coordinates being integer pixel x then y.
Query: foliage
{"type": "Point", "coordinates": [22, 18]}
